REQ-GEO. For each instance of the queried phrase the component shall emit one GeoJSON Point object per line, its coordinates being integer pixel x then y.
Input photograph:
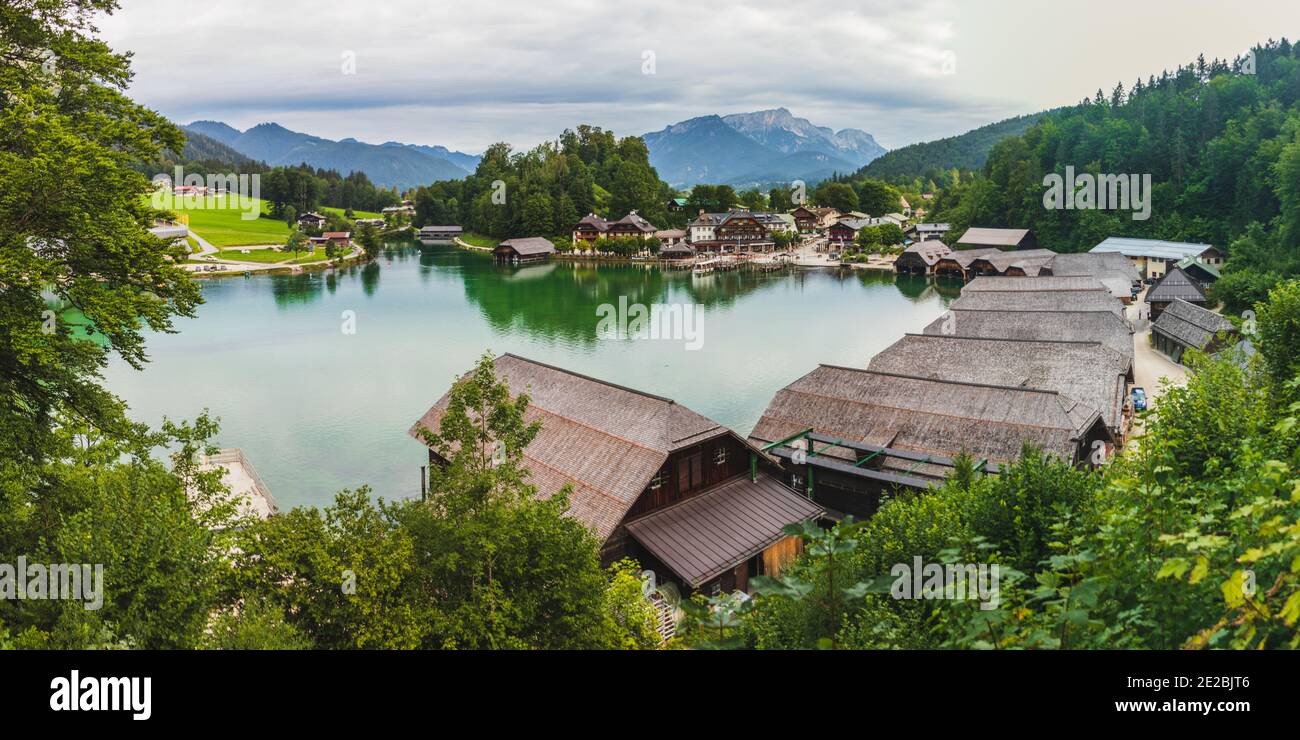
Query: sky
{"type": "Point", "coordinates": [468, 73]}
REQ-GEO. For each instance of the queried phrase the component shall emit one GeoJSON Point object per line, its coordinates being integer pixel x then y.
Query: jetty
{"type": "Point", "coordinates": [246, 487]}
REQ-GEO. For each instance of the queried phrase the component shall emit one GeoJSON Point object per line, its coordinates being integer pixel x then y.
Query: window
{"type": "Point", "coordinates": [721, 457]}
{"type": "Point", "coordinates": [657, 482]}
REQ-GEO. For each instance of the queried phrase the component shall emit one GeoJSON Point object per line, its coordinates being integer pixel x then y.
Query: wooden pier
{"type": "Point", "coordinates": [242, 479]}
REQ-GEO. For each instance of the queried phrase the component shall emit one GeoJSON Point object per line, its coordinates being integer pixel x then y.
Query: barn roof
{"type": "Point", "coordinates": [1176, 284]}
{"type": "Point", "coordinates": [1040, 300]}
{"type": "Point", "coordinates": [529, 245]}
{"type": "Point", "coordinates": [993, 237]}
{"type": "Point", "coordinates": [1100, 325]}
{"type": "Point", "coordinates": [1190, 325]}
{"type": "Point", "coordinates": [1093, 263]}
{"type": "Point", "coordinates": [1118, 285]}
{"type": "Point", "coordinates": [705, 535]}
{"type": "Point", "coordinates": [964, 257]}
{"type": "Point", "coordinates": [605, 439]}
{"type": "Point", "coordinates": [929, 252]}
{"type": "Point", "coordinates": [925, 415]}
{"type": "Point", "coordinates": [1088, 372]}
{"type": "Point", "coordinates": [1001, 260]}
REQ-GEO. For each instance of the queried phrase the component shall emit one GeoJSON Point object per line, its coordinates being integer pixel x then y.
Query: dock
{"type": "Point", "coordinates": [243, 481]}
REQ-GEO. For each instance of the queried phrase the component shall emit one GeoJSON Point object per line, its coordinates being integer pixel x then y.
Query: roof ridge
{"type": "Point", "coordinates": [937, 380]}
{"type": "Point", "coordinates": [593, 379]}
{"type": "Point", "coordinates": [1005, 339]}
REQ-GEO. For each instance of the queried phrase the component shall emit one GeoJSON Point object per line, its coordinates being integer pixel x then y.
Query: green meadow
{"type": "Point", "coordinates": [227, 227]}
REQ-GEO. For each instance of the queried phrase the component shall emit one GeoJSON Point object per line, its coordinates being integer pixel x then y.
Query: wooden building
{"type": "Point", "coordinates": [631, 226]}
{"type": "Point", "coordinates": [1184, 326]}
{"type": "Point", "coordinates": [873, 432]}
{"type": "Point", "coordinates": [311, 220]}
{"type": "Point", "coordinates": [1096, 264]}
{"type": "Point", "coordinates": [684, 495]}
{"type": "Point", "coordinates": [957, 263]}
{"type": "Point", "coordinates": [1175, 285]}
{"type": "Point", "coordinates": [589, 229]}
{"type": "Point", "coordinates": [1088, 372]}
{"type": "Point", "coordinates": [927, 231]}
{"type": "Point", "coordinates": [1202, 272]}
{"type": "Point", "coordinates": [1119, 286]}
{"type": "Point", "coordinates": [1021, 263]}
{"type": "Point", "coordinates": [523, 250]}
{"type": "Point", "coordinates": [1105, 327]}
{"type": "Point", "coordinates": [339, 238]}
{"type": "Point", "coordinates": [440, 233]}
{"type": "Point", "coordinates": [805, 219]}
{"type": "Point", "coordinates": [921, 257]}
{"type": "Point", "coordinates": [844, 231]}
{"type": "Point", "coordinates": [1040, 300]}
{"type": "Point", "coordinates": [1005, 239]}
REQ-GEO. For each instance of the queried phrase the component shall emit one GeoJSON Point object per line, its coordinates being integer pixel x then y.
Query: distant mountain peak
{"type": "Point", "coordinates": [389, 165]}
{"type": "Point", "coordinates": [771, 145]}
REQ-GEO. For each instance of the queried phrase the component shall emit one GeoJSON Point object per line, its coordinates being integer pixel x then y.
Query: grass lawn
{"type": "Point", "coordinates": [226, 227]}
{"type": "Point", "coordinates": [355, 213]}
{"type": "Point", "coordinates": [478, 240]}
{"type": "Point", "coordinates": [269, 256]}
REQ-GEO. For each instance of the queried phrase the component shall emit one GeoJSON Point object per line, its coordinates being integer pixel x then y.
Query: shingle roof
{"type": "Point", "coordinates": [1102, 326]}
{"type": "Point", "coordinates": [929, 252]}
{"type": "Point", "coordinates": [1040, 300]}
{"type": "Point", "coordinates": [1088, 372]}
{"type": "Point", "coordinates": [1190, 325]}
{"type": "Point", "coordinates": [1001, 260]}
{"type": "Point", "coordinates": [965, 257]}
{"type": "Point", "coordinates": [1176, 284]}
{"type": "Point", "coordinates": [703, 536]}
{"type": "Point", "coordinates": [1093, 263]}
{"type": "Point", "coordinates": [1157, 248]}
{"type": "Point", "coordinates": [606, 440]}
{"type": "Point", "coordinates": [925, 415]}
{"type": "Point", "coordinates": [529, 245]}
{"type": "Point", "coordinates": [993, 237]}
{"type": "Point", "coordinates": [594, 221]}
{"type": "Point", "coordinates": [1119, 286]}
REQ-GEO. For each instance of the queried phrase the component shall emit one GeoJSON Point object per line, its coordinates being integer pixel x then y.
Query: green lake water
{"type": "Point", "coordinates": [316, 409]}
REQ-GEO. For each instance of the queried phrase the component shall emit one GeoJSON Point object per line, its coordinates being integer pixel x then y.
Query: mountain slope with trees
{"type": "Point", "coordinates": [1220, 141]}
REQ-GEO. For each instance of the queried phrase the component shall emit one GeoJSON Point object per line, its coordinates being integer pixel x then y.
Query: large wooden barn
{"type": "Point", "coordinates": [921, 257]}
{"type": "Point", "coordinates": [957, 263]}
{"type": "Point", "coordinates": [1086, 371]}
{"type": "Point", "coordinates": [522, 251]}
{"type": "Point", "coordinates": [1040, 300]}
{"type": "Point", "coordinates": [684, 495]}
{"type": "Point", "coordinates": [1002, 239]}
{"type": "Point", "coordinates": [846, 435]}
{"type": "Point", "coordinates": [1022, 263]}
{"type": "Point", "coordinates": [1100, 325]}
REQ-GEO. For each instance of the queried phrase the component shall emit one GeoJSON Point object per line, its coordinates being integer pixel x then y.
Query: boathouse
{"type": "Point", "coordinates": [439, 233]}
{"type": "Point", "coordinates": [1096, 264]}
{"type": "Point", "coordinates": [957, 263]}
{"type": "Point", "coordinates": [846, 435]}
{"type": "Point", "coordinates": [921, 257]}
{"type": "Point", "coordinates": [1182, 326]}
{"type": "Point", "coordinates": [1023, 263]}
{"type": "Point", "coordinates": [1103, 326]}
{"type": "Point", "coordinates": [1118, 285]}
{"type": "Point", "coordinates": [652, 479]}
{"type": "Point", "coordinates": [1040, 300]}
{"type": "Point", "coordinates": [1175, 285]}
{"type": "Point", "coordinates": [1003, 239]}
{"type": "Point", "coordinates": [524, 250]}
{"type": "Point", "coordinates": [1086, 371]}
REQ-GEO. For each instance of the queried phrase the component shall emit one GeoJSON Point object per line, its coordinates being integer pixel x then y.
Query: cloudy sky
{"type": "Point", "coordinates": [466, 73]}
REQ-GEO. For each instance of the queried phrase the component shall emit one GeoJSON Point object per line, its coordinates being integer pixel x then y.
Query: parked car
{"type": "Point", "coordinates": [1139, 398]}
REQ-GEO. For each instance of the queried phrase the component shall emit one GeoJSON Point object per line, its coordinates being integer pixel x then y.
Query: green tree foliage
{"type": "Point", "coordinates": [878, 198]}
{"type": "Point", "coordinates": [545, 190]}
{"type": "Point", "coordinates": [1188, 540]}
{"type": "Point", "coordinates": [838, 195]}
{"type": "Point", "coordinates": [1221, 148]}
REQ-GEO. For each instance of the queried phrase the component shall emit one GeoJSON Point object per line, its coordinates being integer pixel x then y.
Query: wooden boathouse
{"type": "Point", "coordinates": [685, 496]}
{"type": "Point", "coordinates": [523, 251]}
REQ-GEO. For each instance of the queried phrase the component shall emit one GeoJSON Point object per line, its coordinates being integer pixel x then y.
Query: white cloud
{"type": "Point", "coordinates": [465, 74]}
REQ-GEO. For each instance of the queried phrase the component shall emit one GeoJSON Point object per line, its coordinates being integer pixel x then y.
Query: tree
{"type": "Point", "coordinates": [296, 242]}
{"type": "Point", "coordinates": [836, 195]}
{"type": "Point", "coordinates": [890, 233]}
{"type": "Point", "coordinates": [878, 198]}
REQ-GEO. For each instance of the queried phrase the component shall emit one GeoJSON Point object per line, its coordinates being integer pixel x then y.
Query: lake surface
{"type": "Point", "coordinates": [317, 410]}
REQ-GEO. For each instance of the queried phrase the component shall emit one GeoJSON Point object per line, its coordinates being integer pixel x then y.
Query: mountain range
{"type": "Point", "coordinates": [391, 164]}
{"type": "Point", "coordinates": [756, 149]}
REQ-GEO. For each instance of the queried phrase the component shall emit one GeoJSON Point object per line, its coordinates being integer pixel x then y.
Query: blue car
{"type": "Point", "coordinates": [1139, 396]}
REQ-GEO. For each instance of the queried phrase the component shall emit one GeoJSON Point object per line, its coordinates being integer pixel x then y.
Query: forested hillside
{"type": "Point", "coordinates": [544, 191]}
{"type": "Point", "coordinates": [966, 151]}
{"type": "Point", "coordinates": [1222, 146]}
